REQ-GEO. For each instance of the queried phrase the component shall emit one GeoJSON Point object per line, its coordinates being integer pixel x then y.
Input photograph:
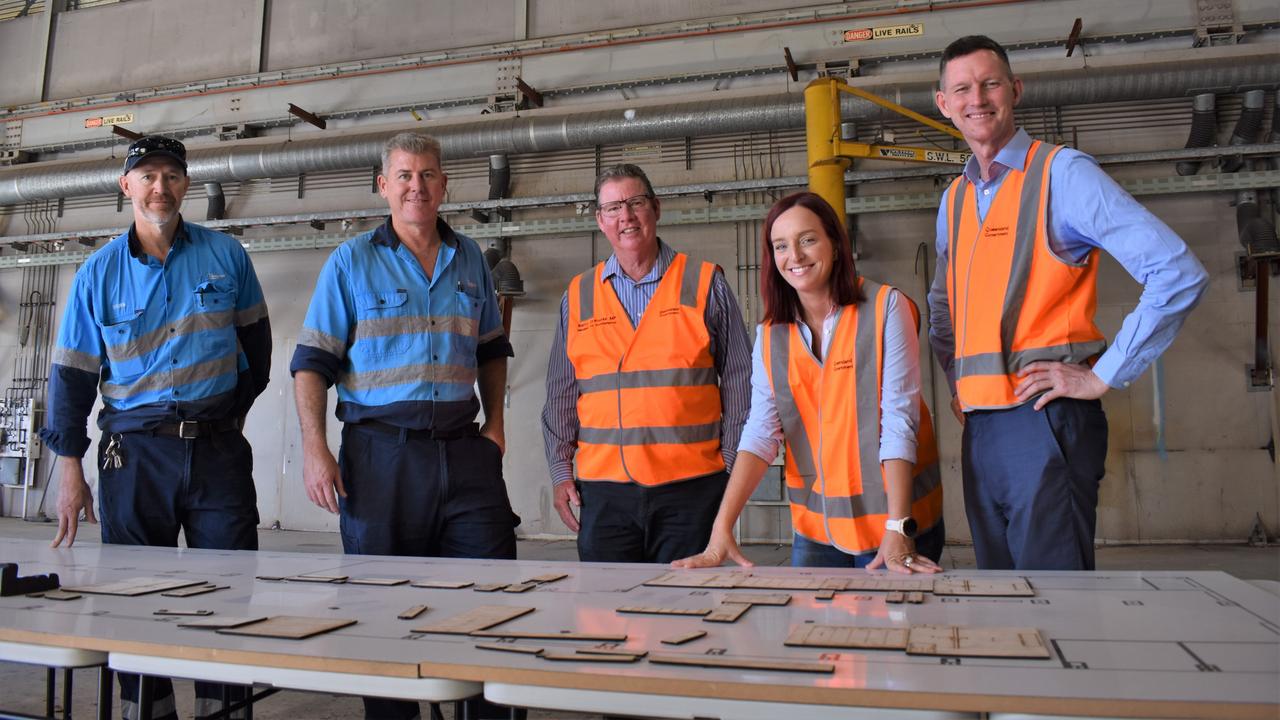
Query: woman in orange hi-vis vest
{"type": "Point", "coordinates": [836, 377]}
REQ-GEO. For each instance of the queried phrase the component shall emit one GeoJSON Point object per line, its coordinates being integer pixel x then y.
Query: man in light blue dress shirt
{"type": "Point", "coordinates": [1031, 470]}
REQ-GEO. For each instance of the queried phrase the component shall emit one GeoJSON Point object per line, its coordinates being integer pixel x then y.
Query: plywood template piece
{"type": "Point", "coordinates": [895, 597]}
{"type": "Point", "coordinates": [477, 618]}
{"type": "Point", "coordinates": [442, 584]}
{"type": "Point", "coordinates": [135, 586]}
{"type": "Point", "coordinates": [613, 651]}
{"type": "Point", "coordinates": [684, 638]}
{"type": "Point", "coordinates": [386, 582]}
{"type": "Point", "coordinates": [696, 580]}
{"type": "Point", "coordinates": [489, 587]}
{"type": "Point", "coordinates": [546, 578]}
{"type": "Point", "coordinates": [181, 612]}
{"type": "Point", "coordinates": [289, 627]}
{"type": "Point", "coordinates": [520, 587]}
{"type": "Point", "coordinates": [877, 584]}
{"type": "Point", "coordinates": [757, 598]}
{"type": "Point", "coordinates": [61, 595]}
{"type": "Point", "coordinates": [834, 584]}
{"type": "Point", "coordinates": [562, 635]}
{"type": "Point", "coordinates": [725, 661]}
{"type": "Point", "coordinates": [957, 641]}
{"type": "Point", "coordinates": [270, 578]}
{"type": "Point", "coordinates": [220, 622]}
{"type": "Point", "coordinates": [586, 657]}
{"type": "Point", "coordinates": [824, 595]}
{"type": "Point", "coordinates": [318, 578]}
{"type": "Point", "coordinates": [727, 612]}
{"type": "Point", "coordinates": [511, 648]}
{"type": "Point", "coordinates": [413, 612]}
{"type": "Point", "coordinates": [645, 610]}
{"type": "Point", "coordinates": [194, 590]}
{"type": "Point", "coordinates": [847, 636]}
{"type": "Point", "coordinates": [915, 598]}
{"type": "Point", "coordinates": [983, 588]}
{"type": "Point", "coordinates": [758, 582]}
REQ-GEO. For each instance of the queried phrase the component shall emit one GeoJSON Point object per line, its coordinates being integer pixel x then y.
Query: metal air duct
{"type": "Point", "coordinates": [1204, 130]}
{"type": "Point", "coordinates": [1247, 127]}
{"type": "Point", "coordinates": [544, 132]}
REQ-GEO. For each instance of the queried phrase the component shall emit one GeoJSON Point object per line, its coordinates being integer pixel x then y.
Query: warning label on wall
{"type": "Point", "coordinates": [95, 122]}
{"type": "Point", "coordinates": [884, 33]}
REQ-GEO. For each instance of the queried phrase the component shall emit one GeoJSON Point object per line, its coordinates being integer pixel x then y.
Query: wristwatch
{"type": "Point", "coordinates": [903, 526]}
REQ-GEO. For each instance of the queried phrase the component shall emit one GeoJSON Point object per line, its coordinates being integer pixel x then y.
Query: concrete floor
{"type": "Point", "coordinates": [22, 686]}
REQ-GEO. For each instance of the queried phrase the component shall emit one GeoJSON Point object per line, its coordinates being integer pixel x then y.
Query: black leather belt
{"type": "Point", "coordinates": [192, 429]}
{"type": "Point", "coordinates": [469, 430]}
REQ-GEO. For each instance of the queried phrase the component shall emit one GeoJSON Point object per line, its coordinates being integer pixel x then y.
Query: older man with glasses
{"type": "Point", "coordinates": [168, 320]}
{"type": "Point", "coordinates": [648, 388]}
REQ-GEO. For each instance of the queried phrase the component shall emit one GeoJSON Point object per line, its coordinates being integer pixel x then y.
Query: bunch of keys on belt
{"type": "Point", "coordinates": [112, 458]}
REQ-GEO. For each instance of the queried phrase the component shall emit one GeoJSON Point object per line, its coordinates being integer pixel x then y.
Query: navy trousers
{"type": "Point", "coordinates": [807, 553]}
{"type": "Point", "coordinates": [626, 522]}
{"type": "Point", "coordinates": [1031, 484]}
{"type": "Point", "coordinates": [410, 494]}
{"type": "Point", "coordinates": [202, 488]}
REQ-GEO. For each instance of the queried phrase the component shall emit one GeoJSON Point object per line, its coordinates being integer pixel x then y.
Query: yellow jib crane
{"type": "Point", "coordinates": [830, 156]}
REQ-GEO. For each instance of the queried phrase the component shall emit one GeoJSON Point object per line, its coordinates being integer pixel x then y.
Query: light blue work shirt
{"type": "Point", "coordinates": [403, 349]}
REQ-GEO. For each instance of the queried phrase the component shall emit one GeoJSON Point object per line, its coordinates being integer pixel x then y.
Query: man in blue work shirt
{"type": "Point", "coordinates": [168, 322]}
{"type": "Point", "coordinates": [405, 321]}
{"type": "Point", "coordinates": [1011, 311]}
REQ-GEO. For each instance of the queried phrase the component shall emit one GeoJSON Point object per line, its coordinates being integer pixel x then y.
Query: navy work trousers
{"type": "Point", "coordinates": [808, 553]}
{"type": "Point", "coordinates": [202, 488]}
{"type": "Point", "coordinates": [628, 522]}
{"type": "Point", "coordinates": [1031, 484]}
{"type": "Point", "coordinates": [410, 494]}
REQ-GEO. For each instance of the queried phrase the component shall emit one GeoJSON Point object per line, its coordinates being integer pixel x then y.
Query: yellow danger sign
{"type": "Point", "coordinates": [885, 32]}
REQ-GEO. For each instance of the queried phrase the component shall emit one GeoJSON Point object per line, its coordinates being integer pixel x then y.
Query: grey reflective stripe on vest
{"type": "Point", "coordinates": [868, 380]}
{"type": "Point", "coordinates": [998, 364]}
{"type": "Point", "coordinates": [689, 283]}
{"type": "Point", "coordinates": [788, 414]}
{"type": "Point", "coordinates": [677, 435]}
{"type": "Point", "coordinates": [1024, 245]}
{"type": "Point", "coordinates": [630, 379]}
{"type": "Point", "coordinates": [586, 295]}
{"type": "Point", "coordinates": [847, 508]}
{"type": "Point", "coordinates": [957, 209]}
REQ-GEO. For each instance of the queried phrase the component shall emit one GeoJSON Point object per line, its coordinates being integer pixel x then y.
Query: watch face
{"type": "Point", "coordinates": [909, 527]}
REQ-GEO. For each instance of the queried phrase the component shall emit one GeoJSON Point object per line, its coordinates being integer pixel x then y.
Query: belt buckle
{"type": "Point", "coordinates": [188, 429]}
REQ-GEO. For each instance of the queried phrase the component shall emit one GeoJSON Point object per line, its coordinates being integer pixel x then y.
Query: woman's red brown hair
{"type": "Point", "coordinates": [781, 303]}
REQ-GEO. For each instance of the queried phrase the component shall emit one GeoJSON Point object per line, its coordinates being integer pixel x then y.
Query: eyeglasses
{"type": "Point", "coordinates": [637, 203]}
{"type": "Point", "coordinates": [155, 143]}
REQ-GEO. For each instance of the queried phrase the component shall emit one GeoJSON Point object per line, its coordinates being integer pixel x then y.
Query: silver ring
{"type": "Point", "coordinates": [909, 559]}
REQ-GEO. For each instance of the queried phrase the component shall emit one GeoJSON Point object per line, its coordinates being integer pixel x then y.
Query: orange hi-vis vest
{"type": "Point", "coordinates": [649, 403]}
{"type": "Point", "coordinates": [1003, 268]}
{"type": "Point", "coordinates": [830, 413]}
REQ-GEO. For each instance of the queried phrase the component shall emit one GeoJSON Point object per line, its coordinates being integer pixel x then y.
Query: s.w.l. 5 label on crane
{"type": "Point", "coordinates": [884, 33]}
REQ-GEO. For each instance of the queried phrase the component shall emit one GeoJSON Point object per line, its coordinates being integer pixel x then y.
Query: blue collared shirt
{"type": "Point", "coordinates": [403, 349]}
{"type": "Point", "coordinates": [899, 388]}
{"type": "Point", "coordinates": [1087, 210]}
{"type": "Point", "coordinates": [730, 350]}
{"type": "Point", "coordinates": [183, 339]}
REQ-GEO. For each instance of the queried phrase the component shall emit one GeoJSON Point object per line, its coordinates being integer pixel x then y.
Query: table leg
{"type": "Point", "coordinates": [144, 697]}
{"type": "Point", "coordinates": [105, 686]}
{"type": "Point", "coordinates": [66, 693]}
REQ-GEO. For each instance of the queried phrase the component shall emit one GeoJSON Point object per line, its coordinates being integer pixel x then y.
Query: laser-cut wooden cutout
{"type": "Point", "coordinates": [289, 627]}
{"type": "Point", "coordinates": [958, 641]}
{"type": "Point", "coordinates": [727, 612]}
{"type": "Point", "coordinates": [413, 612]}
{"type": "Point", "coordinates": [684, 638]}
{"type": "Point", "coordinates": [725, 661]}
{"type": "Point", "coordinates": [847, 636]}
{"type": "Point", "coordinates": [482, 617]}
